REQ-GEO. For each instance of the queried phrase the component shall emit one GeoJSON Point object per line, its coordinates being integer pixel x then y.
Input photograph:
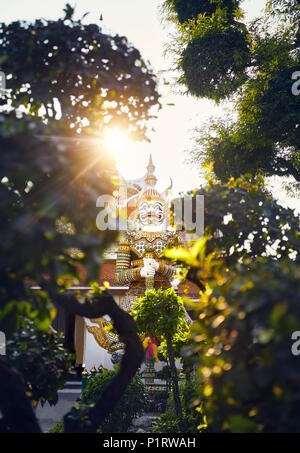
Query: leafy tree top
{"type": "Point", "coordinates": [242, 221]}
{"type": "Point", "coordinates": [264, 136]}
{"type": "Point", "coordinates": [160, 313]}
{"type": "Point", "coordinates": [186, 10]}
{"type": "Point", "coordinates": [76, 72]}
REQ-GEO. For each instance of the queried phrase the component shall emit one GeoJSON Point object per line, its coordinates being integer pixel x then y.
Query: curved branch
{"type": "Point", "coordinates": [12, 388]}
{"type": "Point", "coordinates": [126, 328]}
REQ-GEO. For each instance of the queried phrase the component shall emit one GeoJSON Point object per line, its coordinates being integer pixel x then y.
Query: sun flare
{"type": "Point", "coordinates": [117, 142]}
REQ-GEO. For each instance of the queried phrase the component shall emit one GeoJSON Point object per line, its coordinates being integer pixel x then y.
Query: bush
{"type": "Point", "coordinates": [42, 360]}
{"type": "Point", "coordinates": [58, 428]}
{"type": "Point", "coordinates": [132, 404]}
{"type": "Point", "coordinates": [251, 379]}
{"type": "Point", "coordinates": [158, 401]}
{"type": "Point", "coordinates": [193, 419]}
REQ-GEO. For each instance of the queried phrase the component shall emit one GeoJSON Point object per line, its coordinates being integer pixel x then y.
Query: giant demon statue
{"type": "Point", "coordinates": [140, 264]}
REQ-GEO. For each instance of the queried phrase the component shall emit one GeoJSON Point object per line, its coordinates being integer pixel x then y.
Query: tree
{"type": "Point", "coordinates": [76, 72]}
{"type": "Point", "coordinates": [51, 176]}
{"type": "Point", "coordinates": [188, 10]}
{"type": "Point", "coordinates": [258, 64]}
{"type": "Point", "coordinates": [160, 313]}
{"type": "Point", "coordinates": [211, 48]}
{"type": "Point", "coordinates": [243, 221]}
{"type": "Point", "coordinates": [247, 311]}
{"type": "Point", "coordinates": [132, 404]}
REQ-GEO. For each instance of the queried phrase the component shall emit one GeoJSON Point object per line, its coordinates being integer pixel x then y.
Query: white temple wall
{"type": "Point", "coordinates": [94, 354]}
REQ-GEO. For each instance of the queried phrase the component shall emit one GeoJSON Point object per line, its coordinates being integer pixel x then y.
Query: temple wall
{"type": "Point", "coordinates": [94, 354]}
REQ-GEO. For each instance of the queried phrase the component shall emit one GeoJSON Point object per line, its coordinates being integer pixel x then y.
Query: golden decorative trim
{"type": "Point", "coordinates": [84, 373]}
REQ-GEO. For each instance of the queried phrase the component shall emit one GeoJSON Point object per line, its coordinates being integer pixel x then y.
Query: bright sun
{"type": "Point", "coordinates": [117, 142]}
{"type": "Point", "coordinates": [126, 152]}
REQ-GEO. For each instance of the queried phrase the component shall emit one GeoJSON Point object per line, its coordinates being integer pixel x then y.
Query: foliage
{"type": "Point", "coordinates": [42, 172]}
{"type": "Point", "coordinates": [250, 377]}
{"type": "Point", "coordinates": [53, 163]}
{"type": "Point", "coordinates": [58, 428]}
{"type": "Point", "coordinates": [158, 400]}
{"type": "Point", "coordinates": [211, 49]}
{"type": "Point", "coordinates": [76, 72]}
{"type": "Point", "coordinates": [167, 423]}
{"type": "Point", "coordinates": [241, 220]}
{"type": "Point", "coordinates": [264, 137]}
{"type": "Point", "coordinates": [40, 357]}
{"type": "Point", "coordinates": [34, 193]}
{"type": "Point", "coordinates": [214, 62]}
{"type": "Point", "coordinates": [190, 9]}
{"type": "Point", "coordinates": [161, 313]}
{"type": "Point", "coordinates": [192, 421]}
{"type": "Point", "coordinates": [133, 403]}
{"type": "Point", "coordinates": [247, 311]}
{"type": "Point", "coordinates": [164, 373]}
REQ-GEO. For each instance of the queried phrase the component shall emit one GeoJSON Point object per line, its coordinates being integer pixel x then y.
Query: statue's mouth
{"type": "Point", "coordinates": [151, 217]}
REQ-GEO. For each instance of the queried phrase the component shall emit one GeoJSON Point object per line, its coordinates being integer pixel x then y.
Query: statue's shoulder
{"type": "Point", "coordinates": [181, 238]}
{"type": "Point", "coordinates": [124, 238]}
{"type": "Point", "coordinates": [132, 237]}
{"type": "Point", "coordinates": [171, 235]}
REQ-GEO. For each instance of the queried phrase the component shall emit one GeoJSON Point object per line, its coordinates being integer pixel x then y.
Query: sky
{"type": "Point", "coordinates": [140, 21]}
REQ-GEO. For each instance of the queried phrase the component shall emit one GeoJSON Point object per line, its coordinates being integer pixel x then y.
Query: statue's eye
{"type": "Point", "coordinates": [143, 207]}
{"type": "Point", "coordinates": [158, 207]}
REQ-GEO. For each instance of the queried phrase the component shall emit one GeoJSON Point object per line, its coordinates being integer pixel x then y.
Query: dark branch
{"type": "Point", "coordinates": [286, 168]}
{"type": "Point", "coordinates": [17, 413]}
{"type": "Point", "coordinates": [126, 328]}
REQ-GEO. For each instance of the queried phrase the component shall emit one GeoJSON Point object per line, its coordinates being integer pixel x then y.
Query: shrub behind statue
{"type": "Point", "coordinates": [132, 404]}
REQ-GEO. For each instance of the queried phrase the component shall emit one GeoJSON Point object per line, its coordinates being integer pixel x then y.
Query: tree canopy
{"type": "Point", "coordinates": [76, 72]}
{"type": "Point", "coordinates": [257, 65]}
{"type": "Point", "coordinates": [247, 310]}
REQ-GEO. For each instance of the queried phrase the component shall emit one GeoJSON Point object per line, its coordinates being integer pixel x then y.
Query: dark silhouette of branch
{"type": "Point", "coordinates": [126, 328]}
{"type": "Point", "coordinates": [286, 168]}
{"type": "Point", "coordinates": [17, 413]}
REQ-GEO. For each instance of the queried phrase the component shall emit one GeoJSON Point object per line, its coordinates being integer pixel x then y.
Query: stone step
{"type": "Point", "coordinates": [143, 424]}
{"type": "Point", "coordinates": [71, 387]}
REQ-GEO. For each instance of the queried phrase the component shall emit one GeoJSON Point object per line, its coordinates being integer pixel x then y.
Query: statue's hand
{"type": "Point", "coordinates": [147, 271]}
{"type": "Point", "coordinates": [151, 262]}
{"type": "Point", "coordinates": [154, 263]}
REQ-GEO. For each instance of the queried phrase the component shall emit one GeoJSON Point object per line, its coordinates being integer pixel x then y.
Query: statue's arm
{"type": "Point", "coordinates": [123, 274]}
{"type": "Point", "coordinates": [166, 270]}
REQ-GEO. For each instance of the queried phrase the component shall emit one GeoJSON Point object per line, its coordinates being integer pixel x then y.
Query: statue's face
{"type": "Point", "coordinates": [151, 213]}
